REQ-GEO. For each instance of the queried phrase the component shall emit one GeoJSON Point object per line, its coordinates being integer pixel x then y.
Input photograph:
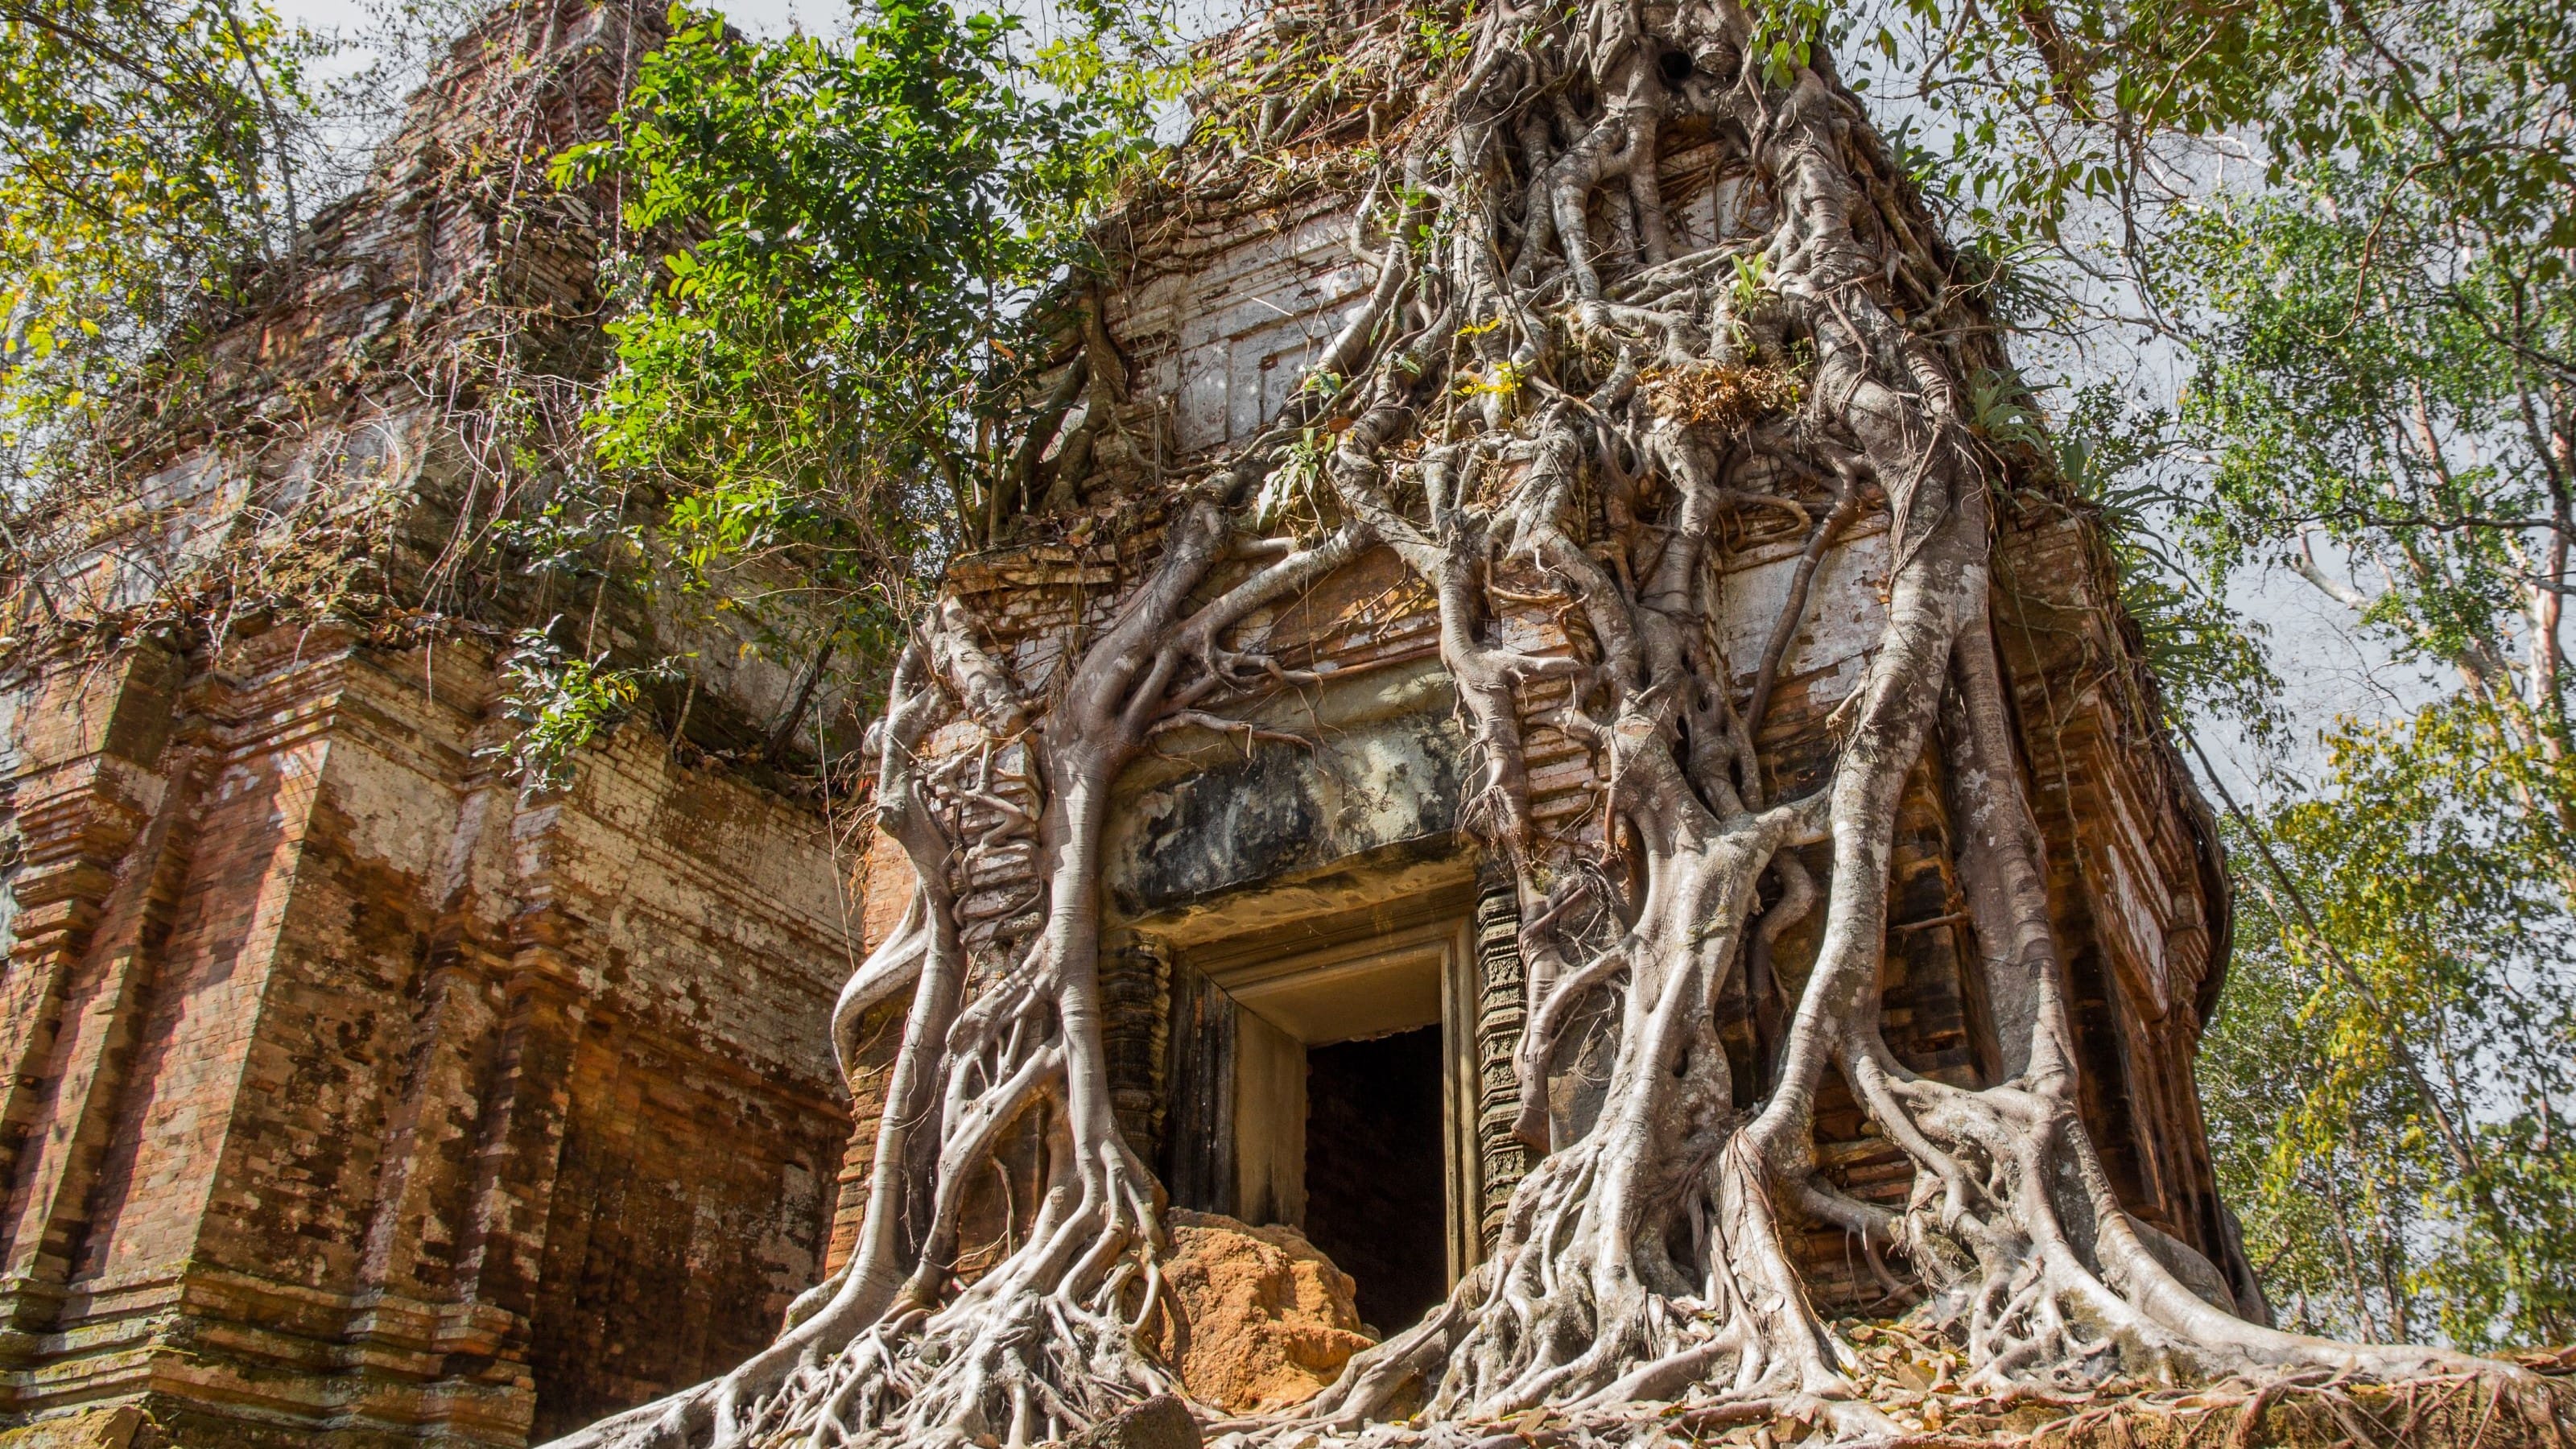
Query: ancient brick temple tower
{"type": "Point", "coordinates": [354, 1098]}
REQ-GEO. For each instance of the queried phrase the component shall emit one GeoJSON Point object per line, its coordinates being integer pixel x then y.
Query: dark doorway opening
{"type": "Point", "coordinates": [1374, 1171]}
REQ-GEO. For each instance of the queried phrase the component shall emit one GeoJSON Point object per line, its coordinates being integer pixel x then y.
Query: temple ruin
{"type": "Point", "coordinates": [356, 1098]}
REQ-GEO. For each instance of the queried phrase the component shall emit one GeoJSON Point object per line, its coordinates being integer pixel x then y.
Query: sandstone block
{"type": "Point", "coordinates": [109, 1428]}
{"type": "Point", "coordinates": [1266, 1319]}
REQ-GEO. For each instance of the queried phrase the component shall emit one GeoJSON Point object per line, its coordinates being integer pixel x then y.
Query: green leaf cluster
{"type": "Point", "coordinates": [2359, 387]}
{"type": "Point", "coordinates": [848, 247]}
{"type": "Point", "coordinates": [561, 700]}
{"type": "Point", "coordinates": [2440, 929]}
{"type": "Point", "coordinates": [150, 154]}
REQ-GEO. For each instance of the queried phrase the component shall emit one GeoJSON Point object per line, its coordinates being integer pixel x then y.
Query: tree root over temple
{"type": "Point", "coordinates": [1544, 397]}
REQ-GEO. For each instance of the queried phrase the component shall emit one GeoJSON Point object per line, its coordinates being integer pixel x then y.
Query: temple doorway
{"type": "Point", "coordinates": [1324, 1079]}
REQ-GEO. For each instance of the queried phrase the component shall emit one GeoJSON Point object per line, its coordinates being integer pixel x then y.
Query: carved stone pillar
{"type": "Point", "coordinates": [1499, 1013]}
{"type": "Point", "coordinates": [1136, 1012]}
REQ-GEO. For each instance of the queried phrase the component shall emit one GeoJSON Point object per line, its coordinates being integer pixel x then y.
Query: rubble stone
{"type": "Point", "coordinates": [1266, 1320]}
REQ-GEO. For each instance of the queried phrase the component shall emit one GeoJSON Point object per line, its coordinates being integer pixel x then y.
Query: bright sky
{"type": "Point", "coordinates": [753, 17]}
{"type": "Point", "coordinates": [756, 17]}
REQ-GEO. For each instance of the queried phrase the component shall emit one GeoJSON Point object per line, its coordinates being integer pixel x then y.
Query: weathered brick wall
{"type": "Point", "coordinates": [355, 1097]}
{"type": "Point", "coordinates": [2140, 893]}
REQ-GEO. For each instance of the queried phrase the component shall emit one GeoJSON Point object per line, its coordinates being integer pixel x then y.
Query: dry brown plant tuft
{"type": "Point", "coordinates": [1726, 396]}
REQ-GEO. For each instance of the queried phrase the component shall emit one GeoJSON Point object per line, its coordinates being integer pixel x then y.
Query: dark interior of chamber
{"type": "Point", "coordinates": [1374, 1182]}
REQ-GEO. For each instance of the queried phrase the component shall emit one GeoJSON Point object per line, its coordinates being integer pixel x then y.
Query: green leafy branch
{"type": "Point", "coordinates": [560, 702]}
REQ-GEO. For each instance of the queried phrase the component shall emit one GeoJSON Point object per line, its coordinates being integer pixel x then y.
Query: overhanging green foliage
{"type": "Point", "coordinates": [846, 243]}
{"type": "Point", "coordinates": [149, 156]}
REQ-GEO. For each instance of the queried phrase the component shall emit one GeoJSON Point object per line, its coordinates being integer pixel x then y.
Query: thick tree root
{"type": "Point", "coordinates": [1021, 1356]}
